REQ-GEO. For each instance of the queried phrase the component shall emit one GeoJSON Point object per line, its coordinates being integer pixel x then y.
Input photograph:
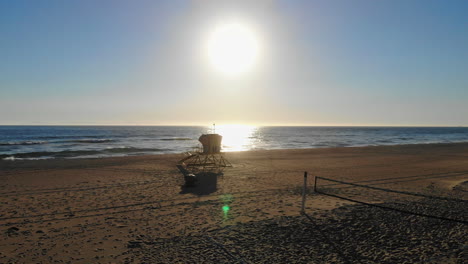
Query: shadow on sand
{"type": "Point", "coordinates": [206, 184]}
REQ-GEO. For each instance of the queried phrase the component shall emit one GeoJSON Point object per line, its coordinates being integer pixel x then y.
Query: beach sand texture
{"type": "Point", "coordinates": [136, 210]}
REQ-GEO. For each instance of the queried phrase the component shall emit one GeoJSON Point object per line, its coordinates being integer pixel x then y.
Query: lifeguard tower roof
{"type": "Point", "coordinates": [211, 143]}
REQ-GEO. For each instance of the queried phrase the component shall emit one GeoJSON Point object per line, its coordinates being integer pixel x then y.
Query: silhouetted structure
{"type": "Point", "coordinates": [210, 159]}
{"type": "Point", "coordinates": [211, 143]}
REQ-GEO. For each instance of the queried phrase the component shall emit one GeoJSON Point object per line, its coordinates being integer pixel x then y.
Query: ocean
{"type": "Point", "coordinates": [48, 142]}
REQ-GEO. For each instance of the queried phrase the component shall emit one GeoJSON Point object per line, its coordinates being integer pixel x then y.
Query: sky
{"type": "Point", "coordinates": [111, 62]}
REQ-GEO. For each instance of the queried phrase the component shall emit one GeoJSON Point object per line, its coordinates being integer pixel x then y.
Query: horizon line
{"type": "Point", "coordinates": [238, 124]}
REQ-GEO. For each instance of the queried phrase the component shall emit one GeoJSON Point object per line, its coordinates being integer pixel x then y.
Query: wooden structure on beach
{"type": "Point", "coordinates": [209, 160]}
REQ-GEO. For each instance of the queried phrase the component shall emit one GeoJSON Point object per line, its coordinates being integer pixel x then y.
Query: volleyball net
{"type": "Point", "coordinates": [429, 203]}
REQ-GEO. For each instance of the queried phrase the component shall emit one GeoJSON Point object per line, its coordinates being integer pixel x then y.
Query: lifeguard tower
{"type": "Point", "coordinates": [208, 160]}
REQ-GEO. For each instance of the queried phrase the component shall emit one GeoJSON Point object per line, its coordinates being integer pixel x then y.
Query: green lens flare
{"type": "Point", "coordinates": [226, 209]}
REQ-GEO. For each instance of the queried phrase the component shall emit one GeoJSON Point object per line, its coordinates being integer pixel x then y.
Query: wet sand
{"type": "Point", "coordinates": [136, 209]}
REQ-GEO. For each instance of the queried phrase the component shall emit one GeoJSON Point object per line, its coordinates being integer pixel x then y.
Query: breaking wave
{"type": "Point", "coordinates": [78, 153]}
{"type": "Point", "coordinates": [176, 138]}
{"type": "Point", "coordinates": [22, 143]}
{"type": "Point", "coordinates": [104, 140]}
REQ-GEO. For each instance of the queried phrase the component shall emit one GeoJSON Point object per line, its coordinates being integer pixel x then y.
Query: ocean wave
{"type": "Point", "coordinates": [68, 136]}
{"type": "Point", "coordinates": [78, 153]}
{"type": "Point", "coordinates": [175, 138]}
{"type": "Point", "coordinates": [384, 141]}
{"type": "Point", "coordinates": [13, 158]}
{"type": "Point", "coordinates": [17, 143]}
{"type": "Point", "coordinates": [102, 140]}
{"type": "Point", "coordinates": [299, 142]}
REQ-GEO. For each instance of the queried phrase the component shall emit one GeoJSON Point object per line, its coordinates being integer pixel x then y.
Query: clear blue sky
{"type": "Point", "coordinates": [361, 62]}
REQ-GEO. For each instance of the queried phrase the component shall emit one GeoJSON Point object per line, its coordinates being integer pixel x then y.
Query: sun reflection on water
{"type": "Point", "coordinates": [238, 137]}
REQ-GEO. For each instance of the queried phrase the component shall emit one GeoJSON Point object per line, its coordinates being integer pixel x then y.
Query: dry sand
{"type": "Point", "coordinates": [135, 209]}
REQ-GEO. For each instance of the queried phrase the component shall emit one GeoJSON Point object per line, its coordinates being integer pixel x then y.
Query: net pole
{"type": "Point", "coordinates": [304, 191]}
{"type": "Point", "coordinates": [315, 184]}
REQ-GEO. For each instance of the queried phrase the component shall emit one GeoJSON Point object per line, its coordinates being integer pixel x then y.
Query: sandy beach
{"type": "Point", "coordinates": [136, 209]}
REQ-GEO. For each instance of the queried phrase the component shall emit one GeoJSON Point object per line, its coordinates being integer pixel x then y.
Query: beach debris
{"type": "Point", "coordinates": [12, 231]}
{"type": "Point", "coordinates": [134, 244]}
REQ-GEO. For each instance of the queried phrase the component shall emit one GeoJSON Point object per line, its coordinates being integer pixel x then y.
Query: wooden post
{"type": "Point", "coordinates": [315, 184]}
{"type": "Point", "coordinates": [304, 192]}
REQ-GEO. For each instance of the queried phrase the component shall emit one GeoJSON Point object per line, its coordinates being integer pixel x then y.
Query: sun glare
{"type": "Point", "coordinates": [237, 137]}
{"type": "Point", "coordinates": [232, 48]}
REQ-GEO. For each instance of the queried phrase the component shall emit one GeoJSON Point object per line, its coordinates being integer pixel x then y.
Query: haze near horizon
{"type": "Point", "coordinates": [391, 63]}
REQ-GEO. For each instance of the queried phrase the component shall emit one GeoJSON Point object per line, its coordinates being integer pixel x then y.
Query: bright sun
{"type": "Point", "coordinates": [232, 48]}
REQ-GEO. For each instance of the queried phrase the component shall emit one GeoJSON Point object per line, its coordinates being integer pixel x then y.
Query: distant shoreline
{"type": "Point", "coordinates": [419, 146]}
{"type": "Point", "coordinates": [69, 142]}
